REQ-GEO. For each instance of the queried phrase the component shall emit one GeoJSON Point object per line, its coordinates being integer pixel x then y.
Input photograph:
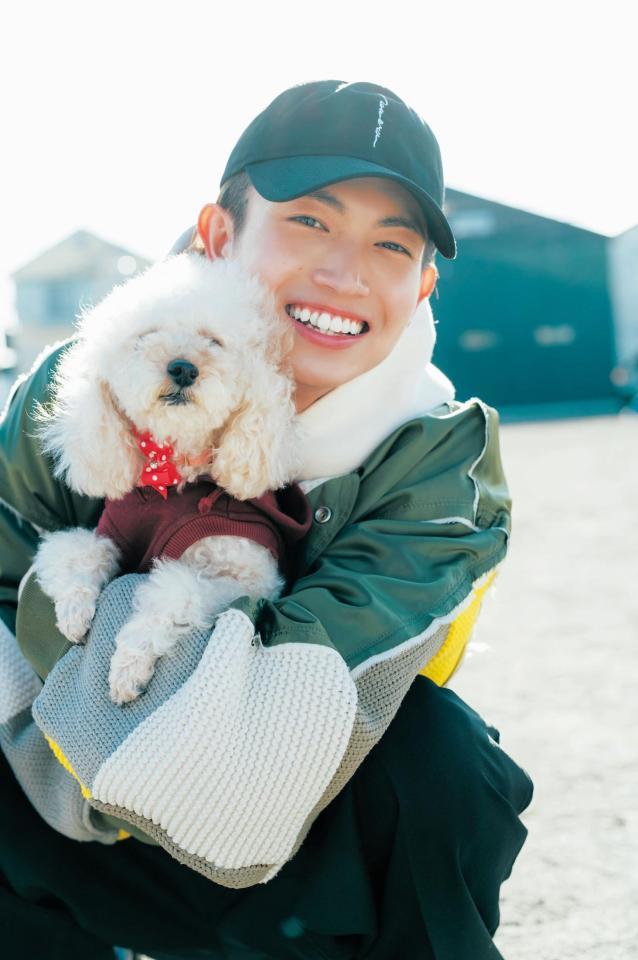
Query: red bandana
{"type": "Point", "coordinates": [158, 471]}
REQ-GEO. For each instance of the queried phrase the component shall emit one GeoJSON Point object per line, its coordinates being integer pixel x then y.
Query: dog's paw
{"type": "Point", "coordinates": [124, 687]}
{"type": "Point", "coordinates": [74, 614]}
{"type": "Point", "coordinates": [130, 671]}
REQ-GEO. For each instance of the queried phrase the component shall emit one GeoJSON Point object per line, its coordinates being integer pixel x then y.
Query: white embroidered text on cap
{"type": "Point", "coordinates": [382, 106]}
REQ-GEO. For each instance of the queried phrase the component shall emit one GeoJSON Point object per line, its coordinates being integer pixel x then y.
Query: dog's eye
{"type": "Point", "coordinates": [139, 340]}
{"type": "Point", "coordinates": [211, 339]}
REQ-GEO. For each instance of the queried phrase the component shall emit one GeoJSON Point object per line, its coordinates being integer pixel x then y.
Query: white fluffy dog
{"type": "Point", "coordinates": [194, 352]}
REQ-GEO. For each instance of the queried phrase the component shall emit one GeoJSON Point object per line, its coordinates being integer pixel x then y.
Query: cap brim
{"type": "Point", "coordinates": [287, 178]}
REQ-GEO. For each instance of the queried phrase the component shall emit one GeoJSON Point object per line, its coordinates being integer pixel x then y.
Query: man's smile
{"type": "Point", "coordinates": [330, 322]}
{"type": "Point", "coordinates": [316, 326]}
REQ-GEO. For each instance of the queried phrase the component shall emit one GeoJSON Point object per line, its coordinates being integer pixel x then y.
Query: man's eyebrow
{"type": "Point", "coordinates": [403, 222]}
{"type": "Point", "coordinates": [329, 198]}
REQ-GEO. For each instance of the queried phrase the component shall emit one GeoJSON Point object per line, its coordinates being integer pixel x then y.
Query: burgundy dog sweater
{"type": "Point", "coordinates": [146, 524]}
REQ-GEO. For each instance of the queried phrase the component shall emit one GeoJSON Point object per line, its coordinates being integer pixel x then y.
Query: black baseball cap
{"type": "Point", "coordinates": [317, 133]}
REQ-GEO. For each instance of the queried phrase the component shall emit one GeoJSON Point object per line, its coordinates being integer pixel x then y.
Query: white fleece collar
{"type": "Point", "coordinates": [345, 425]}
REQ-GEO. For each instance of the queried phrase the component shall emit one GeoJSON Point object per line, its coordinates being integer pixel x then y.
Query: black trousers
{"type": "Point", "coordinates": [405, 864]}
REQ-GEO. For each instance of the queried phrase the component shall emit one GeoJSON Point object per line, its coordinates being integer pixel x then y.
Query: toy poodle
{"type": "Point", "coordinates": [175, 404]}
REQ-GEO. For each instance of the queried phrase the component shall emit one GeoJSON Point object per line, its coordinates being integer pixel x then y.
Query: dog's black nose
{"type": "Point", "coordinates": [182, 372]}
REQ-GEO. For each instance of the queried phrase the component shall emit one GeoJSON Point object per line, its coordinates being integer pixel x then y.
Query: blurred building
{"type": "Point", "coordinates": [524, 315]}
{"type": "Point", "coordinates": [622, 254]}
{"type": "Point", "coordinates": [8, 369]}
{"type": "Point", "coordinates": [51, 289]}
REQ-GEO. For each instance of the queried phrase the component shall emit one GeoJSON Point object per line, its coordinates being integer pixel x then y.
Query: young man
{"type": "Point", "coordinates": [353, 250]}
{"type": "Point", "coordinates": [393, 837]}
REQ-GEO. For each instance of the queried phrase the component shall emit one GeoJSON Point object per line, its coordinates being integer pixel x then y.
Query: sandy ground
{"type": "Point", "coordinates": [553, 666]}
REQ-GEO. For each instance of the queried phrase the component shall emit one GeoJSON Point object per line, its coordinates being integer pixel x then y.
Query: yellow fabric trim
{"type": "Point", "coordinates": [86, 793]}
{"type": "Point", "coordinates": [448, 657]}
{"type": "Point", "coordinates": [59, 756]}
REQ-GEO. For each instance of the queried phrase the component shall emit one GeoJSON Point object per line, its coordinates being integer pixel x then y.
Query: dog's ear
{"type": "Point", "coordinates": [259, 449]}
{"type": "Point", "coordinates": [83, 431]}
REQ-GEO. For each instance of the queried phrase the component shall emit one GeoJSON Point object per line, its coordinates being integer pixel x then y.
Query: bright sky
{"type": "Point", "coordinates": [119, 116]}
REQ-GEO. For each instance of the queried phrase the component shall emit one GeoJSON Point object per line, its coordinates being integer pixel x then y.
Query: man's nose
{"type": "Point", "coordinates": [342, 274]}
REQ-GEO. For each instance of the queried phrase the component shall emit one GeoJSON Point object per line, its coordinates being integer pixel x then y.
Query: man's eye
{"type": "Point", "coordinates": [312, 219]}
{"type": "Point", "coordinates": [396, 246]}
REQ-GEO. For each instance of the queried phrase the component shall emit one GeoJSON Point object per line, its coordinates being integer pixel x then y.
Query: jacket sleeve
{"type": "Point", "coordinates": [31, 500]}
{"type": "Point", "coordinates": [287, 697]}
{"type": "Point", "coordinates": [397, 591]}
{"type": "Point", "coordinates": [430, 519]}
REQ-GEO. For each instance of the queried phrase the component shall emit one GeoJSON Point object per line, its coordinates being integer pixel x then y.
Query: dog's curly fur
{"type": "Point", "coordinates": [239, 411]}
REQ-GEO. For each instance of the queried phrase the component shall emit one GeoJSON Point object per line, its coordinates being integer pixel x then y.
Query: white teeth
{"type": "Point", "coordinates": [324, 321]}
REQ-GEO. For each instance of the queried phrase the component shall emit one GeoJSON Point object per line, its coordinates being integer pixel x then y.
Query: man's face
{"type": "Point", "coordinates": [327, 255]}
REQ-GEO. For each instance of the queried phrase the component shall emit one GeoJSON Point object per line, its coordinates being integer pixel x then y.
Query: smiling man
{"type": "Point", "coordinates": [337, 800]}
{"type": "Point", "coordinates": [334, 195]}
{"type": "Point", "coordinates": [346, 264]}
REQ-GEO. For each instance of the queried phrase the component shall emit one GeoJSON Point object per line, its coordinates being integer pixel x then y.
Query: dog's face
{"type": "Point", "coordinates": [192, 351]}
{"type": "Point", "coordinates": [177, 355]}
{"type": "Point", "coordinates": [181, 377]}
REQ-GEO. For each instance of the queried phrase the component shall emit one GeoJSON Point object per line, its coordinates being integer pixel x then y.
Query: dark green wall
{"type": "Point", "coordinates": [521, 273]}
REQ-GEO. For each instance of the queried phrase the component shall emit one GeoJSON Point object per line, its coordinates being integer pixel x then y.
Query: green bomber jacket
{"type": "Point", "coordinates": [411, 521]}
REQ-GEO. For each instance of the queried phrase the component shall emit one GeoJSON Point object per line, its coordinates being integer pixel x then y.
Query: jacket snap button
{"type": "Point", "coordinates": [323, 514]}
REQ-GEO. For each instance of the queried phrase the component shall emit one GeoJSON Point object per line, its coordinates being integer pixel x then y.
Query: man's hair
{"type": "Point", "coordinates": [233, 197]}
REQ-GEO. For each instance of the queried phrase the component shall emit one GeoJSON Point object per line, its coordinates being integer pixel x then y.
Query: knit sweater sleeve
{"type": "Point", "coordinates": [249, 732]}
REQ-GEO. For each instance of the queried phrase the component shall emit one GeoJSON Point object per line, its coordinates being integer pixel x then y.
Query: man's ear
{"type": "Point", "coordinates": [216, 230]}
{"type": "Point", "coordinates": [429, 276]}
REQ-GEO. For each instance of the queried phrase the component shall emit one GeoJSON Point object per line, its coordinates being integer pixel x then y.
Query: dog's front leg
{"type": "Point", "coordinates": [171, 603]}
{"type": "Point", "coordinates": [72, 567]}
